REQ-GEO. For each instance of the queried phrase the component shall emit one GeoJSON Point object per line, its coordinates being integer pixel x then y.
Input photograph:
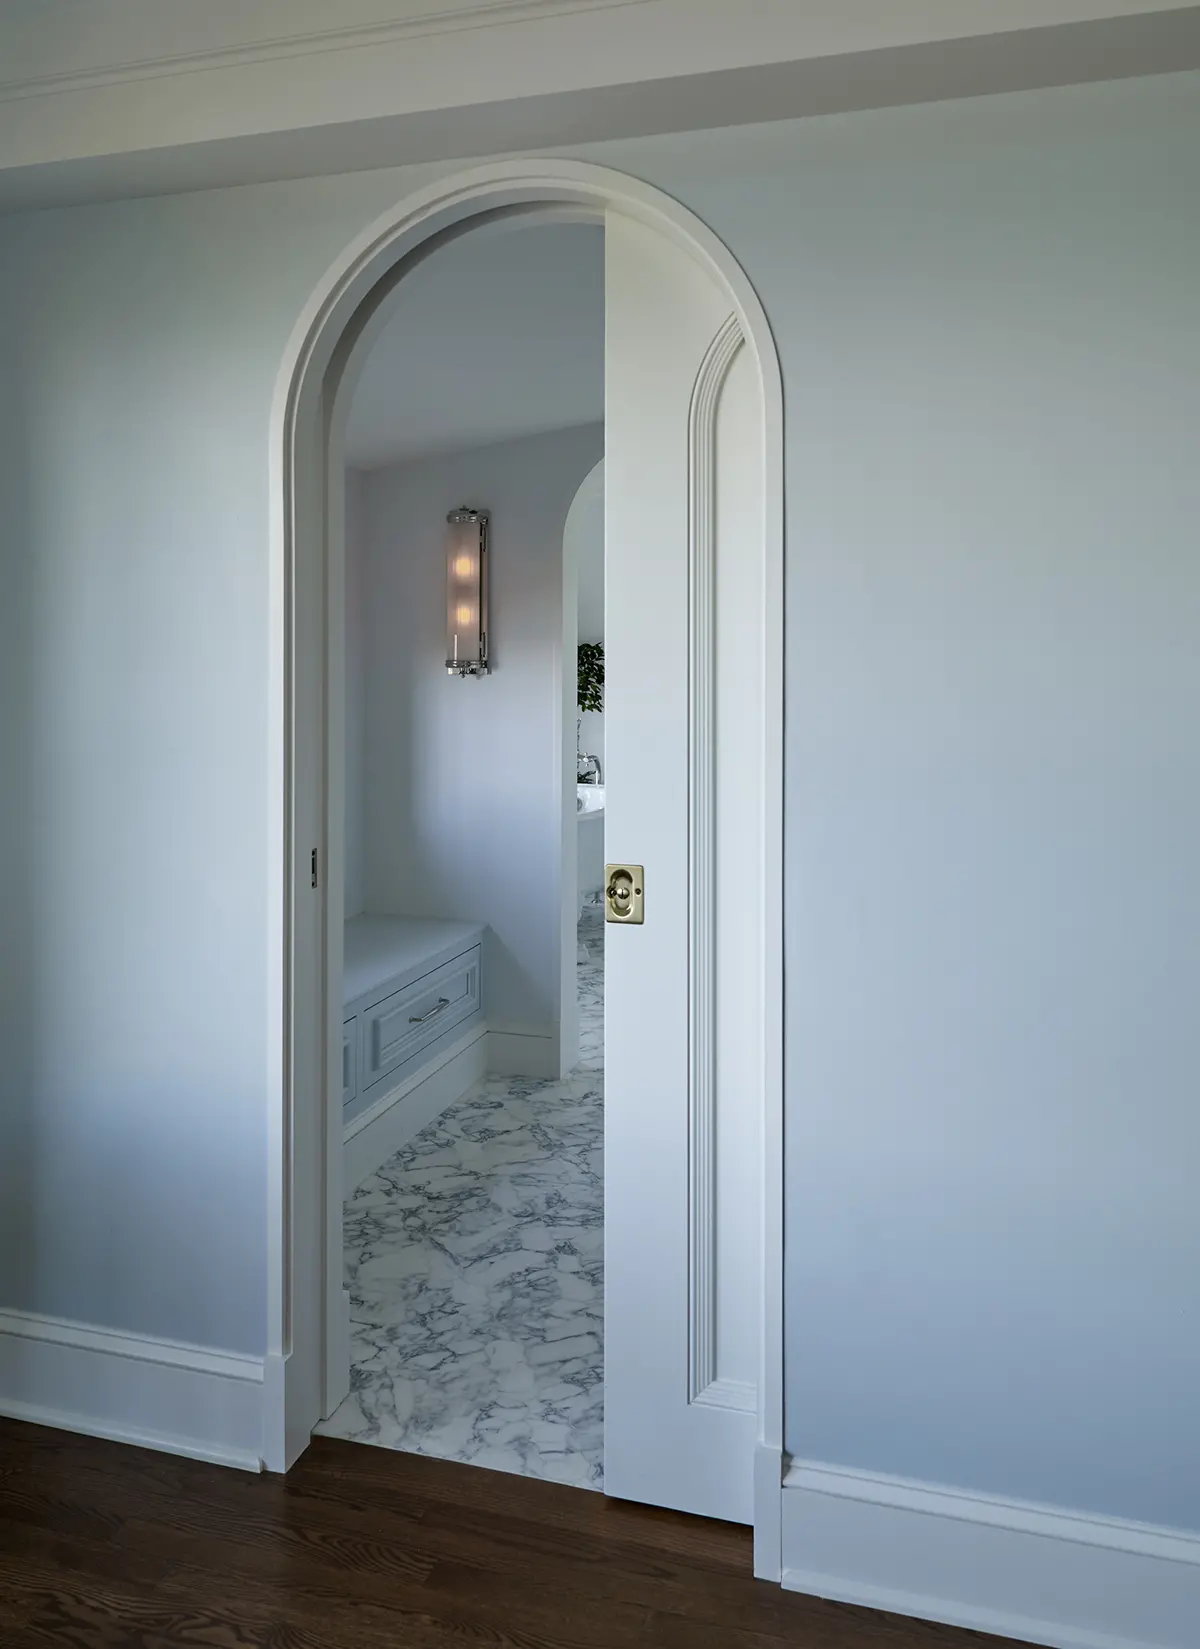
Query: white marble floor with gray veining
{"type": "Point", "coordinates": [474, 1260]}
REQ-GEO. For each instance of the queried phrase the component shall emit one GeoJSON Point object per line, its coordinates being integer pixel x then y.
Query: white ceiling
{"type": "Point", "coordinates": [497, 335]}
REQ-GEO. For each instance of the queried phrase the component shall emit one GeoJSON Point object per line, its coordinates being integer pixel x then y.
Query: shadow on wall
{"type": "Point", "coordinates": [24, 847]}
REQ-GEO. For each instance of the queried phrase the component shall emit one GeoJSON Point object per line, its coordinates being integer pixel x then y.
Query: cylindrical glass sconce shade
{"type": "Point", "coordinates": [466, 592]}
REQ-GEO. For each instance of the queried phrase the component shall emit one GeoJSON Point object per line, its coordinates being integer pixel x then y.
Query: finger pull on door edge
{"type": "Point", "coordinates": [624, 899]}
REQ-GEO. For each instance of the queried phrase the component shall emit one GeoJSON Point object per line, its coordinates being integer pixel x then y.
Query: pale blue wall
{"type": "Point", "coordinates": [994, 779]}
{"type": "Point", "coordinates": [986, 313]}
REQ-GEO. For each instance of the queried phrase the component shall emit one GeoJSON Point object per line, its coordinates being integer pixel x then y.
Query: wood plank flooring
{"type": "Point", "coordinates": [108, 1547]}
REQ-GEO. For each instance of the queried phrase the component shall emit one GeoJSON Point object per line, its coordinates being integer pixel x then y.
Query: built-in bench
{"type": "Point", "coordinates": [413, 1037]}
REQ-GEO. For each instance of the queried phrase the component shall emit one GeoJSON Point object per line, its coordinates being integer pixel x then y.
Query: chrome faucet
{"type": "Point", "coordinates": [587, 768]}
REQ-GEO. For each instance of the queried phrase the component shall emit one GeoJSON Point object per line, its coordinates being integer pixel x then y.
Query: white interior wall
{"type": "Point", "coordinates": [992, 787]}
{"type": "Point", "coordinates": [462, 810]}
{"type": "Point", "coordinates": [985, 312]}
{"type": "Point", "coordinates": [591, 606]}
{"type": "Point", "coordinates": [356, 706]}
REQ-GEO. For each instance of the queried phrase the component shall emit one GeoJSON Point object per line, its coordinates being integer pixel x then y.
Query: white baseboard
{"type": "Point", "coordinates": [131, 1388]}
{"type": "Point", "coordinates": [1065, 1579]}
{"type": "Point", "coordinates": [523, 1053]}
{"type": "Point", "coordinates": [398, 1116]}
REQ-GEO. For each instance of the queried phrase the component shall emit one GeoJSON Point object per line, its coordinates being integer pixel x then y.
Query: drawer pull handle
{"type": "Point", "coordinates": [442, 1003]}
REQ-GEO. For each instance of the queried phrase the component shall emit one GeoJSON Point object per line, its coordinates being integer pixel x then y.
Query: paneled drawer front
{"type": "Point", "coordinates": [401, 1025]}
{"type": "Point", "coordinates": [349, 1061]}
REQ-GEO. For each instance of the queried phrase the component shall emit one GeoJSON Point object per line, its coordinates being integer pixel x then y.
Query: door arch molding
{"type": "Point", "coordinates": [334, 322]}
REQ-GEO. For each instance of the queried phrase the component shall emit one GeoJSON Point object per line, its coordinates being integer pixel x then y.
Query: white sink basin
{"type": "Point", "coordinates": [589, 799]}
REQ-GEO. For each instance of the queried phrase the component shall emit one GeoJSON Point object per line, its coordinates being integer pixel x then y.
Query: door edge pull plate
{"type": "Point", "coordinates": [624, 894]}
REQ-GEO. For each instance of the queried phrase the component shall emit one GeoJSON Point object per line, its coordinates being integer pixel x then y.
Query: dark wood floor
{"type": "Point", "coordinates": [107, 1547]}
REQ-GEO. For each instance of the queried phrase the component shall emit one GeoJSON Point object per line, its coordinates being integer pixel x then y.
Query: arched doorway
{"type": "Point", "coordinates": [327, 348]}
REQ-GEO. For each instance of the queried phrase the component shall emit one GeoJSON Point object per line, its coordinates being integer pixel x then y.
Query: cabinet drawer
{"type": "Point", "coordinates": [401, 1025]}
{"type": "Point", "coordinates": [349, 1061]}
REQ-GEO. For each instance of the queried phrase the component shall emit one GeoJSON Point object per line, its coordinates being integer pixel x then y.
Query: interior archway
{"type": "Point", "coordinates": [327, 348]}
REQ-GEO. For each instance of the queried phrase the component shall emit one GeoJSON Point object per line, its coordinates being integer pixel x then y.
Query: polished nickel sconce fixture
{"type": "Point", "coordinates": [467, 593]}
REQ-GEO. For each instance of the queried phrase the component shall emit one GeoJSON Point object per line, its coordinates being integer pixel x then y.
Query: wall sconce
{"type": "Point", "coordinates": [467, 593]}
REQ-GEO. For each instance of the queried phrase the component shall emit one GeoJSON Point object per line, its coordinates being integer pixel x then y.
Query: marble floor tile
{"type": "Point", "coordinates": [590, 974]}
{"type": "Point", "coordinates": [474, 1261]}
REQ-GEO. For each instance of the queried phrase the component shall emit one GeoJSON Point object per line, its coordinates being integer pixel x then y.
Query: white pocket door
{"type": "Point", "coordinates": [684, 1063]}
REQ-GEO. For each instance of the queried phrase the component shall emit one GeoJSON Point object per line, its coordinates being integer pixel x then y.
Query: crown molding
{"type": "Point", "coordinates": [609, 69]}
{"type": "Point", "coordinates": [480, 14]}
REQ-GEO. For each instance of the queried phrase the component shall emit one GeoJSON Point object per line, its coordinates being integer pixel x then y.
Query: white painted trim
{"type": "Point", "coordinates": [769, 1456]}
{"type": "Point", "coordinates": [437, 19]}
{"type": "Point", "coordinates": [768, 1513]}
{"type": "Point", "coordinates": [337, 1353]}
{"type": "Point", "coordinates": [1068, 1579]}
{"type": "Point", "coordinates": [330, 318]}
{"type": "Point", "coordinates": [702, 864]}
{"type": "Point", "coordinates": [967, 1506]}
{"type": "Point", "coordinates": [132, 1388]}
{"type": "Point", "coordinates": [739, 1395]}
{"type": "Point", "coordinates": [142, 1348]}
{"type": "Point", "coordinates": [380, 1131]}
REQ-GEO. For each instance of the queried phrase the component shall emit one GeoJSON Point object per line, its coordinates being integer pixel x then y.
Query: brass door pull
{"type": "Point", "coordinates": [623, 897]}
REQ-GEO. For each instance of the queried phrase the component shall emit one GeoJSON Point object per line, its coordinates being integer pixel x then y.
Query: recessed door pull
{"type": "Point", "coordinates": [623, 897]}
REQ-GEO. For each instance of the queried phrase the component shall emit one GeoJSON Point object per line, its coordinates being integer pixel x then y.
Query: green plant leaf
{"type": "Point", "coordinates": [591, 676]}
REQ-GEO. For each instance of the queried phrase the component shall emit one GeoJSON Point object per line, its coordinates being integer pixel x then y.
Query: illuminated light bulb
{"type": "Point", "coordinates": [464, 566]}
{"type": "Point", "coordinates": [464, 615]}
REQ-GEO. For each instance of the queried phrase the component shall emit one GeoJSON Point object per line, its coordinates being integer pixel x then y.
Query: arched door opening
{"type": "Point", "coordinates": [693, 445]}
{"type": "Point", "coordinates": [473, 1171]}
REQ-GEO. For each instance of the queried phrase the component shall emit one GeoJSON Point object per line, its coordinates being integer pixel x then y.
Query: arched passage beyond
{"type": "Point", "coordinates": [327, 347]}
